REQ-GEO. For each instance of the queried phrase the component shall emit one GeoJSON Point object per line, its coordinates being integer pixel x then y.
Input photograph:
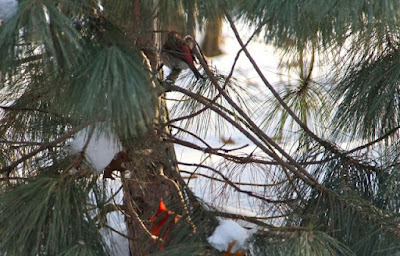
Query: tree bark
{"type": "Point", "coordinates": [212, 40]}
{"type": "Point", "coordinates": [151, 172]}
{"type": "Point", "coordinates": [149, 179]}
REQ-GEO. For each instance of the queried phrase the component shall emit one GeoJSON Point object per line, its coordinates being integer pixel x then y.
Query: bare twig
{"type": "Point", "coordinates": [21, 143]}
{"type": "Point", "coordinates": [210, 150]}
{"type": "Point", "coordinates": [236, 183]}
{"type": "Point", "coordinates": [238, 55]}
{"type": "Point", "coordinates": [256, 221]}
{"type": "Point", "coordinates": [293, 166]}
{"type": "Point", "coordinates": [43, 147]}
{"type": "Point", "coordinates": [237, 188]}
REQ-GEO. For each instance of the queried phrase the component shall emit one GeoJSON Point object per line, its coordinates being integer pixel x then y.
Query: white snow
{"type": "Point", "coordinates": [227, 232]}
{"type": "Point", "coordinates": [7, 9]}
{"type": "Point", "coordinates": [118, 244]}
{"type": "Point", "coordinates": [102, 147]}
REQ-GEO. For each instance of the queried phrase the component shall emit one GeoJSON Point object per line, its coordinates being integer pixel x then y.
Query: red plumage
{"type": "Point", "coordinates": [163, 221]}
{"type": "Point", "coordinates": [178, 55]}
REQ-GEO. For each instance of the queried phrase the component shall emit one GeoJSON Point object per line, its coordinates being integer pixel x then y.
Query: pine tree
{"type": "Point", "coordinates": [72, 67]}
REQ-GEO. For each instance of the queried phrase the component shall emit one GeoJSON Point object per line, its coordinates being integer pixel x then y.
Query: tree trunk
{"type": "Point", "coordinates": [151, 172]}
{"type": "Point", "coordinates": [148, 180]}
{"type": "Point", "coordinates": [212, 39]}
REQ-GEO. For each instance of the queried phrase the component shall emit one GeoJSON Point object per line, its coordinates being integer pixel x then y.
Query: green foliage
{"type": "Point", "coordinates": [369, 96]}
{"type": "Point", "coordinates": [355, 222]}
{"type": "Point", "coordinates": [40, 29]}
{"type": "Point", "coordinates": [386, 197]}
{"type": "Point", "coordinates": [110, 88]}
{"type": "Point", "coordinates": [309, 102]}
{"type": "Point", "coordinates": [48, 215]}
{"type": "Point", "coordinates": [79, 68]}
{"type": "Point", "coordinates": [204, 118]}
{"type": "Point", "coordinates": [195, 249]}
{"type": "Point", "coordinates": [355, 209]}
{"type": "Point", "coordinates": [67, 62]}
{"type": "Point", "coordinates": [294, 23]}
{"type": "Point", "coordinates": [304, 243]}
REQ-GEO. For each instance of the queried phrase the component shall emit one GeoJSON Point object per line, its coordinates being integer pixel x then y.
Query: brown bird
{"type": "Point", "coordinates": [177, 54]}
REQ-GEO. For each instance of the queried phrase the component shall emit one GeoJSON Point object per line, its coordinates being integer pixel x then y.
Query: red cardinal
{"type": "Point", "coordinates": [177, 54]}
{"type": "Point", "coordinates": [163, 221]}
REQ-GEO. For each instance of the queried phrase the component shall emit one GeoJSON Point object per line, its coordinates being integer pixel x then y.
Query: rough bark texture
{"type": "Point", "coordinates": [150, 173]}
{"type": "Point", "coordinates": [148, 180]}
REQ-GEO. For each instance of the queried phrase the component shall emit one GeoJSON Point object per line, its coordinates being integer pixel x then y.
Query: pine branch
{"type": "Point", "coordinates": [295, 168]}
{"type": "Point", "coordinates": [216, 151]}
{"type": "Point", "coordinates": [324, 143]}
{"type": "Point", "coordinates": [257, 221]}
{"type": "Point", "coordinates": [21, 143]}
{"type": "Point", "coordinates": [236, 187]}
{"type": "Point", "coordinates": [43, 147]}
{"type": "Point", "coordinates": [236, 183]}
{"type": "Point", "coordinates": [16, 109]}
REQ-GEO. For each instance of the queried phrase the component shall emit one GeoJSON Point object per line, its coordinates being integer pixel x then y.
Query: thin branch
{"type": "Point", "coordinates": [236, 183]}
{"type": "Point", "coordinates": [331, 147]}
{"type": "Point", "coordinates": [22, 143]}
{"type": "Point", "coordinates": [188, 132]}
{"type": "Point", "coordinates": [118, 232]}
{"type": "Point", "coordinates": [204, 142]}
{"type": "Point", "coordinates": [106, 209]}
{"type": "Point", "coordinates": [386, 135]}
{"type": "Point", "coordinates": [295, 168]}
{"type": "Point", "coordinates": [238, 55]}
{"type": "Point", "coordinates": [374, 141]}
{"type": "Point", "coordinates": [236, 159]}
{"type": "Point", "coordinates": [43, 147]}
{"type": "Point", "coordinates": [12, 108]}
{"type": "Point", "coordinates": [256, 221]}
{"type": "Point", "coordinates": [237, 188]}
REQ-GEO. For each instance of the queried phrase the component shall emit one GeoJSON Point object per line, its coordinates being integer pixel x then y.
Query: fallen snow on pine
{"type": "Point", "coordinates": [7, 9]}
{"type": "Point", "coordinates": [229, 231]}
{"type": "Point", "coordinates": [102, 147]}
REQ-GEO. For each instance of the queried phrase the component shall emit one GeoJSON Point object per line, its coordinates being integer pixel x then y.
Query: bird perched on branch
{"type": "Point", "coordinates": [163, 222]}
{"type": "Point", "coordinates": [177, 53]}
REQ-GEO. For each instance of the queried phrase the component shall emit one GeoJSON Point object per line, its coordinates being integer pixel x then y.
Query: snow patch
{"type": "Point", "coordinates": [229, 231]}
{"type": "Point", "coordinates": [103, 145]}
